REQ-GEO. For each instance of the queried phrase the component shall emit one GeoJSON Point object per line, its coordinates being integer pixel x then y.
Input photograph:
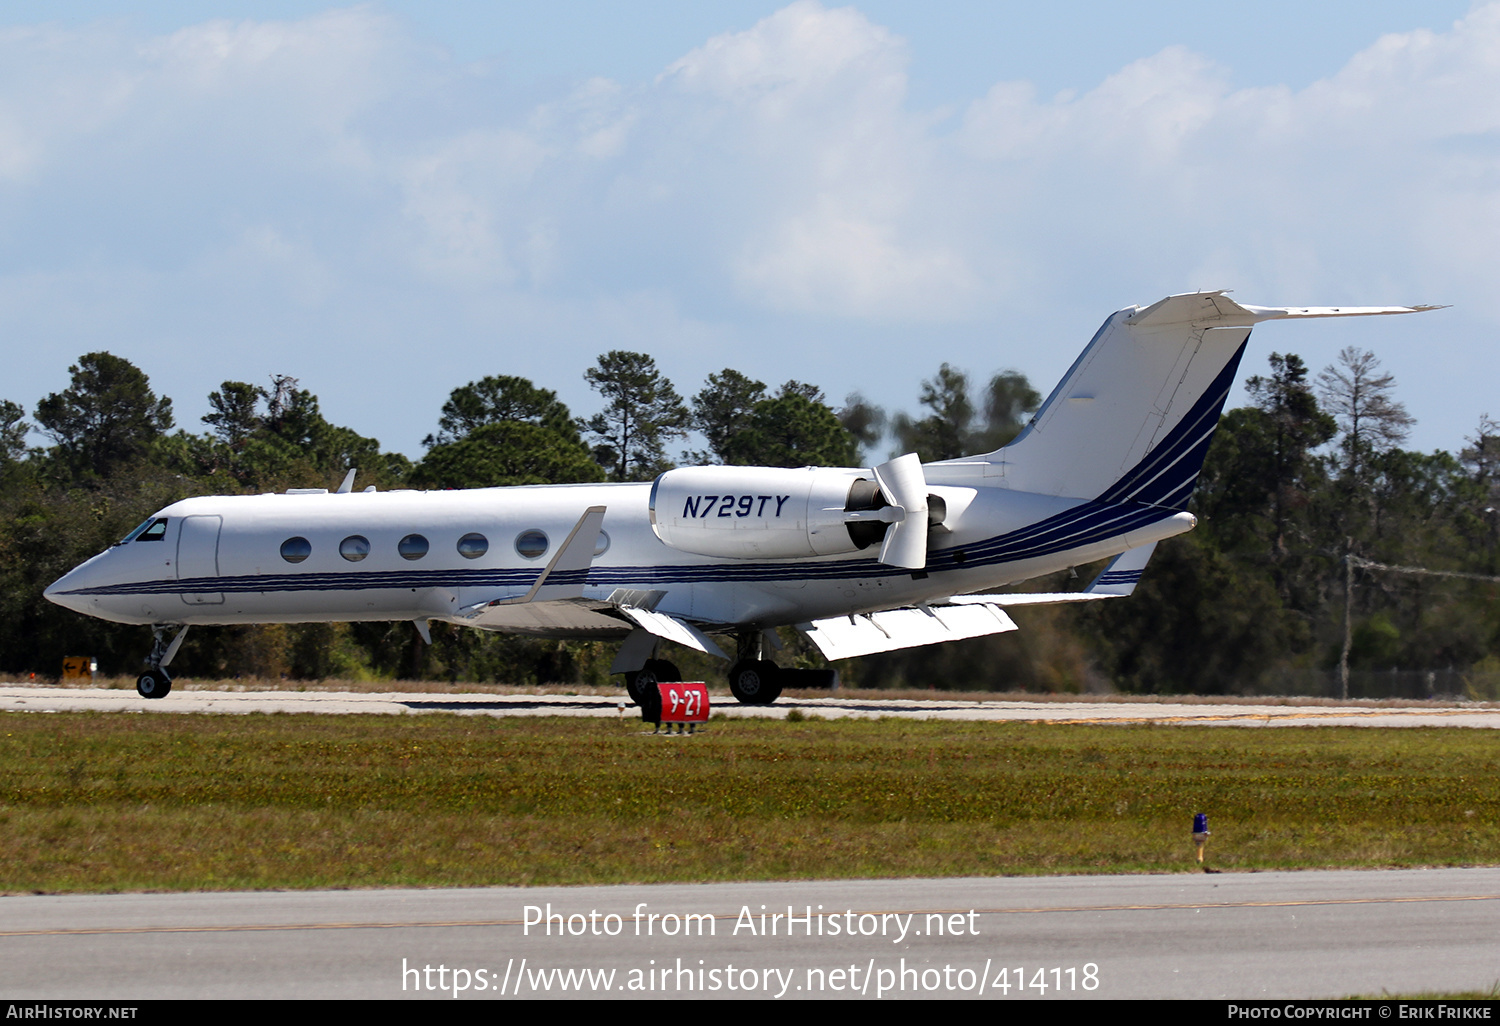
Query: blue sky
{"type": "Point", "coordinates": [389, 200]}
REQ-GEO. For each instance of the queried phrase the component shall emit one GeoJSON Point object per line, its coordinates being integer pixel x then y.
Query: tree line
{"type": "Point", "coordinates": [1310, 472]}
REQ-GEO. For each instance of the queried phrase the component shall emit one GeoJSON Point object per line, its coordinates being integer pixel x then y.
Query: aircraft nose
{"type": "Point", "coordinates": [58, 590]}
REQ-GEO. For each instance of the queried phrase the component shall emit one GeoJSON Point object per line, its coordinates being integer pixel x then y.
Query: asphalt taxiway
{"type": "Point", "coordinates": [1188, 935]}
{"type": "Point", "coordinates": [1227, 714]}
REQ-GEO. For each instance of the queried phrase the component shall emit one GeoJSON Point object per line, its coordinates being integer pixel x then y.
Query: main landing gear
{"type": "Point", "coordinates": [752, 679]}
{"type": "Point", "coordinates": [755, 681]}
{"type": "Point", "coordinates": [155, 681]}
{"type": "Point", "coordinates": [641, 684]}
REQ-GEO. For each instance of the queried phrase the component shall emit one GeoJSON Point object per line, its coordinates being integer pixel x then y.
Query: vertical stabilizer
{"type": "Point", "coordinates": [1132, 419]}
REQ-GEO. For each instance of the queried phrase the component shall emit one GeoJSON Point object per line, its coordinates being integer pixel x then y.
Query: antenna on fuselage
{"type": "Point", "coordinates": [348, 485]}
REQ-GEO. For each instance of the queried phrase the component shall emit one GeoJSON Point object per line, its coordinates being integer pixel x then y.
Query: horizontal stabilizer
{"type": "Point", "coordinates": [844, 637]}
{"type": "Point", "coordinates": [1132, 420]}
{"type": "Point", "coordinates": [1218, 309]}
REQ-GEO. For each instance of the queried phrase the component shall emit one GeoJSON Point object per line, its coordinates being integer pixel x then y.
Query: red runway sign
{"type": "Point", "coordinates": [683, 702]}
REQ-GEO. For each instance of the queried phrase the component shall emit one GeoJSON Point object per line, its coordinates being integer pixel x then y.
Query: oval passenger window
{"type": "Point", "coordinates": [295, 550]}
{"type": "Point", "coordinates": [531, 544]}
{"type": "Point", "coordinates": [354, 548]}
{"type": "Point", "coordinates": [413, 546]}
{"type": "Point", "coordinates": [472, 546]}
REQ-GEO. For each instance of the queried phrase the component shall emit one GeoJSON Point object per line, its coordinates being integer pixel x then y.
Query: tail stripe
{"type": "Point", "coordinates": [1168, 474]}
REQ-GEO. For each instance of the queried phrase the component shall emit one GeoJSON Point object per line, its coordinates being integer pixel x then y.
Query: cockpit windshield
{"type": "Point", "coordinates": [151, 529]}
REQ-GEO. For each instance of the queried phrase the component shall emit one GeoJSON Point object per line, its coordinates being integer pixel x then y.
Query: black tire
{"type": "Point", "coordinates": [643, 687]}
{"type": "Point", "coordinates": [632, 685]}
{"type": "Point", "coordinates": [640, 684]}
{"type": "Point", "coordinates": [662, 670]}
{"type": "Point", "coordinates": [755, 682]}
{"type": "Point", "coordinates": [153, 684]}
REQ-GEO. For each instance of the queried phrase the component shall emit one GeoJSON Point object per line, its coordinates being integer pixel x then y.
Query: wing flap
{"type": "Point", "coordinates": [845, 637]}
{"type": "Point", "coordinates": [672, 629]}
{"type": "Point", "coordinates": [579, 617]}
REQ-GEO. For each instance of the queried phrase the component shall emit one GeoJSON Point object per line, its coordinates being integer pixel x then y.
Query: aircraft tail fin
{"type": "Point", "coordinates": [1132, 419]}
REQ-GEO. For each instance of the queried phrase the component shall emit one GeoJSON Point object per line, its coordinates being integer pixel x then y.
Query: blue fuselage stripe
{"type": "Point", "coordinates": [1086, 524]}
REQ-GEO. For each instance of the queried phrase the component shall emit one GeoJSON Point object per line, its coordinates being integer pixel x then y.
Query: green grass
{"type": "Point", "coordinates": [93, 802]}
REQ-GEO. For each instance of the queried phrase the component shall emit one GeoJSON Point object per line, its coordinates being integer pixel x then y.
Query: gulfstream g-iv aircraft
{"type": "Point", "coordinates": [859, 560]}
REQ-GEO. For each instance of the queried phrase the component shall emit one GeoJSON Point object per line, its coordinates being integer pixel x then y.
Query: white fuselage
{"type": "Point", "coordinates": [220, 559]}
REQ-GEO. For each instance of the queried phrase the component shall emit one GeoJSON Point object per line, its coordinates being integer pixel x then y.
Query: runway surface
{"type": "Point", "coordinates": [1253, 935]}
{"type": "Point", "coordinates": [44, 699]}
{"type": "Point", "coordinates": [1190, 935]}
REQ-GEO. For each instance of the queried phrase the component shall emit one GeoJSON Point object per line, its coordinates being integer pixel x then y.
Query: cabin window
{"type": "Point", "coordinates": [532, 544]}
{"type": "Point", "coordinates": [472, 546]}
{"type": "Point", "coordinates": [413, 546]}
{"type": "Point", "coordinates": [295, 550]}
{"type": "Point", "coordinates": [601, 545]}
{"type": "Point", "coordinates": [354, 548]}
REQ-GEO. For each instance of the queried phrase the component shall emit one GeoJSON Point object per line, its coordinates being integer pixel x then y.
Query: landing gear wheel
{"type": "Point", "coordinates": [755, 682]}
{"type": "Point", "coordinates": [660, 670]}
{"type": "Point", "coordinates": [641, 685]}
{"type": "Point", "coordinates": [633, 687]}
{"type": "Point", "coordinates": [153, 684]}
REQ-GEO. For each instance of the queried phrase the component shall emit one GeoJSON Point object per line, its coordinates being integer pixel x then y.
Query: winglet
{"type": "Point", "coordinates": [575, 555]}
{"type": "Point", "coordinates": [1123, 572]}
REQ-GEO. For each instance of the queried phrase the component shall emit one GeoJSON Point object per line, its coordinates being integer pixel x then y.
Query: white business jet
{"type": "Point", "coordinates": [859, 560]}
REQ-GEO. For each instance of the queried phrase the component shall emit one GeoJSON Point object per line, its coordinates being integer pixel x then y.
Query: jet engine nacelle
{"type": "Point", "coordinates": [768, 512]}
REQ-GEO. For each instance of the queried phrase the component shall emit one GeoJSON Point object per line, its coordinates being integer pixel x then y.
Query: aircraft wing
{"type": "Point", "coordinates": [569, 618]}
{"type": "Point", "coordinates": [844, 637]}
{"type": "Point", "coordinates": [584, 618]}
{"type": "Point", "coordinates": [555, 602]}
{"type": "Point", "coordinates": [962, 616]}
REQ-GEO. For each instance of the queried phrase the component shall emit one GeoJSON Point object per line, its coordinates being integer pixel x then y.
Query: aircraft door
{"type": "Point", "coordinates": [198, 558]}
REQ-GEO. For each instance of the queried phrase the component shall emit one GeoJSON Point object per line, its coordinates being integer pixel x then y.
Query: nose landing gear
{"type": "Point", "coordinates": [153, 684]}
{"type": "Point", "coordinates": [156, 682]}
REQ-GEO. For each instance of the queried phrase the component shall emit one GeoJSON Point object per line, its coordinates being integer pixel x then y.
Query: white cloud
{"type": "Point", "coordinates": [810, 103]}
{"type": "Point", "coordinates": [335, 180]}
